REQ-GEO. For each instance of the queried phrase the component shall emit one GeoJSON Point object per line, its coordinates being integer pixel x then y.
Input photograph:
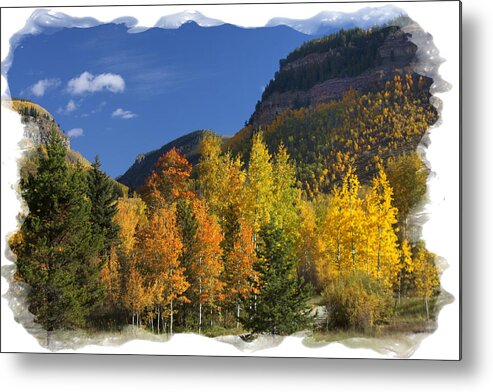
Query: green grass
{"type": "Point", "coordinates": [409, 318]}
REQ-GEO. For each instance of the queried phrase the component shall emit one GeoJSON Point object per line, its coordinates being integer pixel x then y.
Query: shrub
{"type": "Point", "coordinates": [355, 301]}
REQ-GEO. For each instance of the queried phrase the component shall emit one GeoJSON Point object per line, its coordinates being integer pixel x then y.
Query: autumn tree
{"type": "Point", "coordinates": [169, 180]}
{"type": "Point", "coordinates": [211, 173]}
{"type": "Point", "coordinates": [157, 256]}
{"type": "Point", "coordinates": [206, 284]}
{"type": "Point", "coordinates": [286, 195]}
{"type": "Point", "coordinates": [260, 184]}
{"type": "Point", "coordinates": [407, 176]}
{"type": "Point", "coordinates": [235, 206]}
{"type": "Point", "coordinates": [425, 273]}
{"type": "Point", "coordinates": [381, 216]}
{"type": "Point", "coordinates": [405, 268]}
{"type": "Point", "coordinates": [131, 212]}
{"type": "Point", "coordinates": [241, 276]}
{"type": "Point", "coordinates": [309, 250]}
{"type": "Point", "coordinates": [343, 230]}
{"type": "Point", "coordinates": [137, 295]}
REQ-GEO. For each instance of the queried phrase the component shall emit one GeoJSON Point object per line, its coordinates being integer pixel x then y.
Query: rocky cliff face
{"type": "Point", "coordinates": [395, 56]}
{"type": "Point", "coordinates": [38, 122]}
{"type": "Point", "coordinates": [38, 130]}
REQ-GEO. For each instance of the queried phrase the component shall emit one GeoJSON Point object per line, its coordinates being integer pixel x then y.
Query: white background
{"type": "Point", "coordinates": [132, 373]}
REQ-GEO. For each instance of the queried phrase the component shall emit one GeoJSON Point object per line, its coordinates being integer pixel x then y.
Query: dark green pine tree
{"type": "Point", "coordinates": [54, 247]}
{"type": "Point", "coordinates": [104, 206]}
{"type": "Point", "coordinates": [280, 307]}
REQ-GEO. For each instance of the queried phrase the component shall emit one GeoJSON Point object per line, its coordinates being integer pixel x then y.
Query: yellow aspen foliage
{"type": "Point", "coordinates": [384, 254]}
{"type": "Point", "coordinates": [110, 276]}
{"type": "Point", "coordinates": [285, 194]}
{"type": "Point", "coordinates": [131, 213]}
{"type": "Point", "coordinates": [343, 231]}
{"type": "Point", "coordinates": [212, 172]}
{"type": "Point", "coordinates": [260, 184]}
{"type": "Point", "coordinates": [426, 274]}
{"type": "Point", "coordinates": [137, 296]}
{"type": "Point", "coordinates": [310, 247]}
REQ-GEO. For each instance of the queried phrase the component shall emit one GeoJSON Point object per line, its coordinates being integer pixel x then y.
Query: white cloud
{"type": "Point", "coordinates": [39, 88]}
{"type": "Point", "coordinates": [75, 132]}
{"type": "Point", "coordinates": [87, 82]}
{"type": "Point", "coordinates": [70, 107]}
{"type": "Point", "coordinates": [124, 114]}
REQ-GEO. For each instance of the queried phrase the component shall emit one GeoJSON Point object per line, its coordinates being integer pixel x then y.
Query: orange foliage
{"type": "Point", "coordinates": [158, 250]}
{"type": "Point", "coordinates": [239, 264]}
{"type": "Point", "coordinates": [206, 271]}
{"type": "Point", "coordinates": [169, 181]}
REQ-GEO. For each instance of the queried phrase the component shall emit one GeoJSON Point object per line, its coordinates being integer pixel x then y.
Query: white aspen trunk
{"type": "Point", "coordinates": [237, 315]}
{"type": "Point", "coordinates": [400, 287]}
{"type": "Point", "coordinates": [378, 255]}
{"type": "Point", "coordinates": [49, 339]}
{"type": "Point", "coordinates": [158, 318]}
{"type": "Point", "coordinates": [200, 297]}
{"type": "Point", "coordinates": [211, 317]}
{"type": "Point", "coordinates": [427, 308]}
{"type": "Point", "coordinates": [200, 317]}
{"type": "Point", "coordinates": [171, 319]}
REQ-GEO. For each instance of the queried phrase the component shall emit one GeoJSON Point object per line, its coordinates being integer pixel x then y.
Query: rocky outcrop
{"type": "Point", "coordinates": [395, 56]}
{"type": "Point", "coordinates": [38, 130]}
{"type": "Point", "coordinates": [38, 122]}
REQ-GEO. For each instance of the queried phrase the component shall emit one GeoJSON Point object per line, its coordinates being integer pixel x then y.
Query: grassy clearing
{"type": "Point", "coordinates": [409, 318]}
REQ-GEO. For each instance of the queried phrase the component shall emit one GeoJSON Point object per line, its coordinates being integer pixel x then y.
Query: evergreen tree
{"type": "Point", "coordinates": [279, 305]}
{"type": "Point", "coordinates": [54, 247]}
{"type": "Point", "coordinates": [103, 208]}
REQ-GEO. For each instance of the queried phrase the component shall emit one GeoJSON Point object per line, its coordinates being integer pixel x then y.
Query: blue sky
{"type": "Point", "coordinates": [119, 94]}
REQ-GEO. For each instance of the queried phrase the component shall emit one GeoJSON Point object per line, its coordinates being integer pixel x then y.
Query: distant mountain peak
{"type": "Point", "coordinates": [329, 21]}
{"type": "Point", "coordinates": [175, 21]}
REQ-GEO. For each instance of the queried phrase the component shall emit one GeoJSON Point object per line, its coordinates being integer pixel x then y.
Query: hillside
{"type": "Point", "coordinates": [349, 98]}
{"type": "Point", "coordinates": [38, 123]}
{"type": "Point", "coordinates": [325, 68]}
{"type": "Point", "coordinates": [136, 175]}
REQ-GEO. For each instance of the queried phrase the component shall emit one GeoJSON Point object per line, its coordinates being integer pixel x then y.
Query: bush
{"type": "Point", "coordinates": [355, 301]}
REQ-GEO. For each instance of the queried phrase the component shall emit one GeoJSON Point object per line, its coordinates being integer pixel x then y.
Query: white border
{"type": "Point", "coordinates": [441, 232]}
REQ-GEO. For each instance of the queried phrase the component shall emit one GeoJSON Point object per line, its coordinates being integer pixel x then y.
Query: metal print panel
{"type": "Point", "coordinates": [239, 180]}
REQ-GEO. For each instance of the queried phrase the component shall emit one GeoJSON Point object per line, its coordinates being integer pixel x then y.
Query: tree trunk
{"type": "Point", "coordinates": [171, 319]}
{"type": "Point", "coordinates": [427, 308]}
{"type": "Point", "coordinates": [237, 315]}
{"type": "Point", "coordinates": [158, 318]}
{"type": "Point", "coordinates": [400, 287]}
{"type": "Point", "coordinates": [200, 317]}
{"type": "Point", "coordinates": [49, 336]}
